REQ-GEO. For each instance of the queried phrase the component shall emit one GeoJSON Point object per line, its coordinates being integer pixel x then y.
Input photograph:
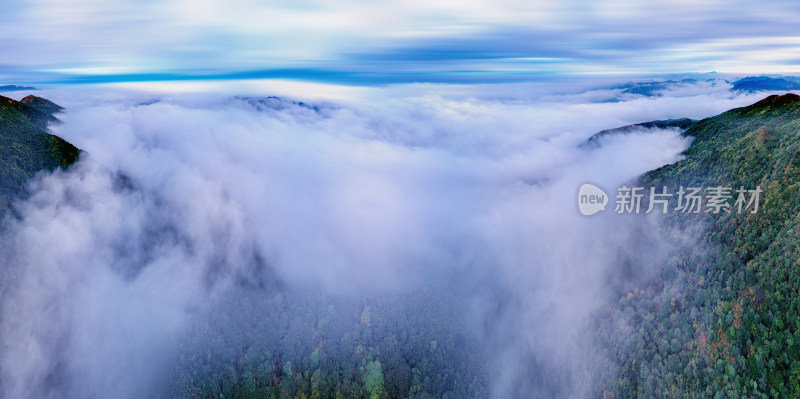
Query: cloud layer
{"type": "Point", "coordinates": [182, 199]}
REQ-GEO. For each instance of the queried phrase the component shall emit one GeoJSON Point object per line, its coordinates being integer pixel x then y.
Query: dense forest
{"type": "Point", "coordinates": [306, 345]}
{"type": "Point", "coordinates": [721, 319]}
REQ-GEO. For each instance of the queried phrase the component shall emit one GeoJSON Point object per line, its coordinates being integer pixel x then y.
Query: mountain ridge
{"type": "Point", "coordinates": [680, 123]}
{"type": "Point", "coordinates": [26, 147]}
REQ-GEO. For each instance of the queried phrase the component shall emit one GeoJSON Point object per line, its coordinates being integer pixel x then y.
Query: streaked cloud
{"type": "Point", "coordinates": [48, 39]}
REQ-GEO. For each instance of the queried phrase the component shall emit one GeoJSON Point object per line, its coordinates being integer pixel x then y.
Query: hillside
{"type": "Point", "coordinates": [42, 104]}
{"type": "Point", "coordinates": [721, 320]}
{"type": "Point", "coordinates": [25, 146]}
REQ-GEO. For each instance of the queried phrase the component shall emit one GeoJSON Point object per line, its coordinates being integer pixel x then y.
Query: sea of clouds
{"type": "Point", "coordinates": [186, 193]}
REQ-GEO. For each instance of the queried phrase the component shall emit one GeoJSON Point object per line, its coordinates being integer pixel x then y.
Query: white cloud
{"type": "Point", "coordinates": [178, 200]}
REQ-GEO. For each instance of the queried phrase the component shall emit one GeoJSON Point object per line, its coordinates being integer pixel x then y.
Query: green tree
{"type": "Point", "coordinates": [374, 380]}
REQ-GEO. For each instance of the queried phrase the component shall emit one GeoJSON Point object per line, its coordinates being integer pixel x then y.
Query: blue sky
{"type": "Point", "coordinates": [392, 41]}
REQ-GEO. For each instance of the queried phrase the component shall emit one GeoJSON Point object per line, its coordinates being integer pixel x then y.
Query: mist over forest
{"type": "Point", "coordinates": [404, 241]}
{"type": "Point", "coordinates": [315, 199]}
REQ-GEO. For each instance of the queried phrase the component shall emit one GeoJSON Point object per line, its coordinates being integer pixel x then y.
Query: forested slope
{"type": "Point", "coordinates": [721, 320]}
{"type": "Point", "coordinates": [25, 146]}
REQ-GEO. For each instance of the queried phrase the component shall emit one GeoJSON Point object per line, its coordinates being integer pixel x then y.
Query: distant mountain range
{"type": "Point", "coordinates": [25, 145]}
{"type": "Point", "coordinates": [651, 88]}
{"type": "Point", "coordinates": [765, 83]}
{"type": "Point", "coordinates": [15, 88]}
{"type": "Point", "coordinates": [750, 84]}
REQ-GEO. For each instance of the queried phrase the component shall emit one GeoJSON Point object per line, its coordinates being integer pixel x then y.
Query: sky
{"type": "Point", "coordinates": [356, 41]}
